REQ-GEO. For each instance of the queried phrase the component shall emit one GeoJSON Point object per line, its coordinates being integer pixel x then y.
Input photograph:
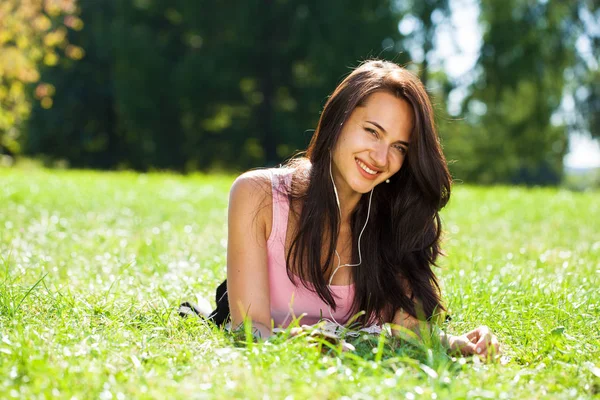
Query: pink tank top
{"type": "Point", "coordinates": [287, 300]}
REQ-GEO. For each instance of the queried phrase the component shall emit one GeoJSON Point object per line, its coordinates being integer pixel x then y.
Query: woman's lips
{"type": "Point", "coordinates": [364, 173]}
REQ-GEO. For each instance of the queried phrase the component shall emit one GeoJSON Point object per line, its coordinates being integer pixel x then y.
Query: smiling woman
{"type": "Point", "coordinates": [366, 146]}
{"type": "Point", "coordinates": [366, 197]}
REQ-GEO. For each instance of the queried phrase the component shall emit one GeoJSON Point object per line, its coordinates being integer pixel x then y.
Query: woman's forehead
{"type": "Point", "coordinates": [393, 114]}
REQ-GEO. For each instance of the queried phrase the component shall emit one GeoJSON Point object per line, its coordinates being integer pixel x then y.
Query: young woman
{"type": "Point", "coordinates": [352, 226]}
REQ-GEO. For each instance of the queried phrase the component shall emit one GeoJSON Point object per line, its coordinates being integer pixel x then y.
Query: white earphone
{"type": "Point", "coordinates": [337, 199]}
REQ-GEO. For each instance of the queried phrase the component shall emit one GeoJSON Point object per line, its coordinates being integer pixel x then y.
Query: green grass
{"type": "Point", "coordinates": [93, 265]}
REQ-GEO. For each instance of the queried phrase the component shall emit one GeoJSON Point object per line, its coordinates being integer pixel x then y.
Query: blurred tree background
{"type": "Point", "coordinates": [528, 64]}
{"type": "Point", "coordinates": [32, 35]}
{"type": "Point", "coordinates": [194, 85]}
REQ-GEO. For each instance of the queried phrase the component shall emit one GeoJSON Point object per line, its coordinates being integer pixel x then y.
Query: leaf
{"type": "Point", "coordinates": [558, 331]}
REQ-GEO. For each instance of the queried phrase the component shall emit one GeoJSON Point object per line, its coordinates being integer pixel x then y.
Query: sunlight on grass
{"type": "Point", "coordinates": [93, 266]}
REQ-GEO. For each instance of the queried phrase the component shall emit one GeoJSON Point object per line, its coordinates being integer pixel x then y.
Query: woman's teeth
{"type": "Point", "coordinates": [365, 168]}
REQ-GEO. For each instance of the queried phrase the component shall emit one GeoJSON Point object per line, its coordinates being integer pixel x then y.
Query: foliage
{"type": "Point", "coordinates": [513, 132]}
{"type": "Point", "coordinates": [191, 85]}
{"type": "Point", "coordinates": [31, 35]}
{"type": "Point", "coordinates": [93, 266]}
{"type": "Point", "coordinates": [584, 76]}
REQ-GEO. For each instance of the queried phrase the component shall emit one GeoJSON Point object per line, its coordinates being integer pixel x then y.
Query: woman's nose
{"type": "Point", "coordinates": [379, 154]}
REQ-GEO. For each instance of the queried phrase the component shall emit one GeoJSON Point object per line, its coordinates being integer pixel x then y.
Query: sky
{"type": "Point", "coordinates": [458, 57]}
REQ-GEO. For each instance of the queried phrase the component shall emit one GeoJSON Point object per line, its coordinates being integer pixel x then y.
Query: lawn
{"type": "Point", "coordinates": [93, 266]}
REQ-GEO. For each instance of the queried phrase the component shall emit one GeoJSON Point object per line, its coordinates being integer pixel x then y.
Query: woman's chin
{"type": "Point", "coordinates": [363, 187]}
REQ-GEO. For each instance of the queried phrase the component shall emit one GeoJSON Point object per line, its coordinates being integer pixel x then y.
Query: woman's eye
{"type": "Point", "coordinates": [401, 149]}
{"type": "Point", "coordinates": [371, 131]}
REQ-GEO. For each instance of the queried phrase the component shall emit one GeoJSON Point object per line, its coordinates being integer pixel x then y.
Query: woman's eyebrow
{"type": "Point", "coordinates": [384, 131]}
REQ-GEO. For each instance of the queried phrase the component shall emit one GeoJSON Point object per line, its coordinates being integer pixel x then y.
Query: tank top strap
{"type": "Point", "coordinates": [280, 182]}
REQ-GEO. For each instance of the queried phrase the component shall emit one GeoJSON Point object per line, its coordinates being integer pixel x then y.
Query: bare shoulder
{"type": "Point", "coordinates": [250, 201]}
{"type": "Point", "coordinates": [254, 184]}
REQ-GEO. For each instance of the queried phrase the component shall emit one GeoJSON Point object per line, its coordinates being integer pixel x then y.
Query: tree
{"type": "Point", "coordinates": [583, 78]}
{"type": "Point", "coordinates": [512, 133]}
{"type": "Point", "coordinates": [31, 34]}
{"type": "Point", "coordinates": [198, 84]}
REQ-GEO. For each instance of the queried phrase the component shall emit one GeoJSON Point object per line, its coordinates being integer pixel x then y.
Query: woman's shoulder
{"type": "Point", "coordinates": [254, 176]}
{"type": "Point", "coordinates": [255, 186]}
{"type": "Point", "coordinates": [262, 178]}
{"type": "Point", "coordinates": [259, 178]}
{"type": "Point", "coordinates": [252, 193]}
{"type": "Point", "coordinates": [258, 184]}
{"type": "Point", "coordinates": [252, 185]}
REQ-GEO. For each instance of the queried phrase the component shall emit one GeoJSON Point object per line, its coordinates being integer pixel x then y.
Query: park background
{"type": "Point", "coordinates": [123, 124]}
{"type": "Point", "coordinates": [198, 85]}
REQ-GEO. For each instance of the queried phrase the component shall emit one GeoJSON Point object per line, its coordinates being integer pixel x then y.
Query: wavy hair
{"type": "Point", "coordinates": [402, 240]}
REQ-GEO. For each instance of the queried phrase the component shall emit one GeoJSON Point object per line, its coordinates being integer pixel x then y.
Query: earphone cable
{"type": "Point", "coordinates": [359, 239]}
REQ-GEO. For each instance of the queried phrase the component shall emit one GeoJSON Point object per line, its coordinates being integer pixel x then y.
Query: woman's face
{"type": "Point", "coordinates": [373, 143]}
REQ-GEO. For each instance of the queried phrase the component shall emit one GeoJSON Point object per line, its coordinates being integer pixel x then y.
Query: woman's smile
{"type": "Point", "coordinates": [374, 138]}
{"type": "Point", "coordinates": [365, 171]}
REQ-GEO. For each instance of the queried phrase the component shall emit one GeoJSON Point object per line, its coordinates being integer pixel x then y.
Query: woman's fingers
{"type": "Point", "coordinates": [484, 339]}
{"type": "Point", "coordinates": [481, 342]}
{"type": "Point", "coordinates": [490, 349]}
{"type": "Point", "coordinates": [493, 349]}
{"type": "Point", "coordinates": [468, 349]}
{"type": "Point", "coordinates": [462, 344]}
{"type": "Point", "coordinates": [478, 333]}
{"type": "Point", "coordinates": [473, 336]}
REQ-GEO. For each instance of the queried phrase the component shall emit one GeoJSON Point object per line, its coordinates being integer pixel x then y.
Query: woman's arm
{"type": "Point", "coordinates": [247, 273]}
{"type": "Point", "coordinates": [479, 341]}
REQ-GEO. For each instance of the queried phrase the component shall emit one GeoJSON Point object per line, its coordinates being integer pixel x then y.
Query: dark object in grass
{"type": "Point", "coordinates": [219, 316]}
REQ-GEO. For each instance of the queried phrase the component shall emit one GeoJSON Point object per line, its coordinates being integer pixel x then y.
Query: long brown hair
{"type": "Point", "coordinates": [402, 239]}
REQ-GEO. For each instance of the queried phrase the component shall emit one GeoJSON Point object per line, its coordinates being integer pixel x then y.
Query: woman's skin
{"type": "Point", "coordinates": [371, 148]}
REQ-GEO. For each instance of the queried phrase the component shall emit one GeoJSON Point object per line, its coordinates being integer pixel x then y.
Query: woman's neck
{"type": "Point", "coordinates": [348, 199]}
{"type": "Point", "coordinates": [347, 205]}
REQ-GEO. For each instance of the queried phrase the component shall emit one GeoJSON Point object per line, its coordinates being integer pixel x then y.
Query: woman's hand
{"type": "Point", "coordinates": [480, 341]}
